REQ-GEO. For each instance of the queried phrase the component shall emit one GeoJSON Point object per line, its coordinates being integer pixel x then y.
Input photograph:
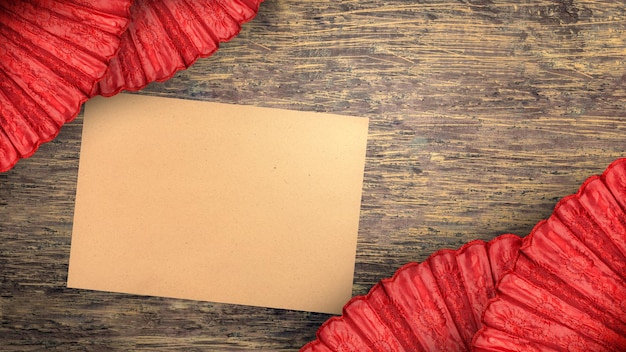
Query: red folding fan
{"type": "Point", "coordinates": [52, 53]}
{"type": "Point", "coordinates": [567, 291]}
{"type": "Point", "coordinates": [165, 36]}
{"type": "Point", "coordinates": [564, 289]}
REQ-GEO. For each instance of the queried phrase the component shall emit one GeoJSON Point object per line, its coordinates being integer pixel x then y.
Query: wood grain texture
{"type": "Point", "coordinates": [483, 114]}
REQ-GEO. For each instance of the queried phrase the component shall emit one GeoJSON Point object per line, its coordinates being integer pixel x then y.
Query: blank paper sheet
{"type": "Point", "coordinates": [218, 202]}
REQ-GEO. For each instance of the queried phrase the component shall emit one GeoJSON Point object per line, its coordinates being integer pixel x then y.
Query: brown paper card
{"type": "Point", "coordinates": [217, 202]}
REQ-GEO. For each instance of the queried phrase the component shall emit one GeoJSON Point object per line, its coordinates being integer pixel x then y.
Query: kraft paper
{"type": "Point", "coordinates": [218, 202]}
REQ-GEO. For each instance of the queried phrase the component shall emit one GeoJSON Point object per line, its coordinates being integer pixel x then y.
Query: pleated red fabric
{"type": "Point", "coordinates": [166, 36]}
{"type": "Point", "coordinates": [567, 291]}
{"type": "Point", "coordinates": [435, 305]}
{"type": "Point", "coordinates": [52, 54]}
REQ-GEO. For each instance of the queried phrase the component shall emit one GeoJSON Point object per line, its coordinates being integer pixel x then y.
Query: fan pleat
{"type": "Point", "coordinates": [558, 287]}
{"type": "Point", "coordinates": [582, 225]}
{"type": "Point", "coordinates": [503, 252]}
{"type": "Point", "coordinates": [557, 310]}
{"type": "Point", "coordinates": [394, 317]}
{"type": "Point", "coordinates": [123, 67]}
{"type": "Point", "coordinates": [615, 180]}
{"type": "Point", "coordinates": [344, 334]}
{"type": "Point", "coordinates": [84, 20]}
{"type": "Point", "coordinates": [415, 290]}
{"type": "Point", "coordinates": [53, 55]}
{"type": "Point", "coordinates": [181, 25]}
{"type": "Point", "coordinates": [475, 270]}
{"type": "Point", "coordinates": [36, 80]}
{"type": "Point", "coordinates": [95, 33]}
{"type": "Point", "coordinates": [116, 9]}
{"type": "Point", "coordinates": [18, 133]}
{"type": "Point", "coordinates": [507, 343]}
{"type": "Point", "coordinates": [241, 11]}
{"type": "Point", "coordinates": [15, 107]}
{"type": "Point", "coordinates": [554, 249]}
{"type": "Point", "coordinates": [363, 330]}
{"type": "Point", "coordinates": [523, 322]}
{"type": "Point", "coordinates": [378, 335]}
{"type": "Point", "coordinates": [606, 212]}
{"type": "Point", "coordinates": [450, 283]}
{"type": "Point", "coordinates": [153, 47]}
{"type": "Point", "coordinates": [218, 21]}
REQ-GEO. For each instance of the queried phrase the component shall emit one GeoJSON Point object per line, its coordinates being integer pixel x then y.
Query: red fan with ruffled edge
{"type": "Point", "coordinates": [170, 35]}
{"type": "Point", "coordinates": [567, 291]}
{"type": "Point", "coordinates": [432, 306]}
{"type": "Point", "coordinates": [52, 53]}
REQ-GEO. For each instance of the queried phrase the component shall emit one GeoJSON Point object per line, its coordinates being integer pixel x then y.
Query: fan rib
{"type": "Point", "coordinates": [180, 31]}
{"type": "Point", "coordinates": [606, 213]}
{"type": "Point", "coordinates": [393, 316]}
{"type": "Point", "coordinates": [581, 224]}
{"type": "Point", "coordinates": [370, 326]}
{"type": "Point", "coordinates": [553, 308]}
{"type": "Point", "coordinates": [476, 285]}
{"type": "Point", "coordinates": [177, 42]}
{"type": "Point", "coordinates": [122, 68]}
{"type": "Point", "coordinates": [615, 180]}
{"type": "Point", "coordinates": [16, 128]}
{"type": "Point", "coordinates": [567, 258]}
{"type": "Point", "coordinates": [61, 64]}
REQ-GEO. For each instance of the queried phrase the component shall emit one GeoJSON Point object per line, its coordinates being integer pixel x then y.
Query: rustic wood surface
{"type": "Point", "coordinates": [483, 114]}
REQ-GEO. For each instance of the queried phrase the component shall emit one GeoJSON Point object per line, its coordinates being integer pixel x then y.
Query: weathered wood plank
{"type": "Point", "coordinates": [483, 114]}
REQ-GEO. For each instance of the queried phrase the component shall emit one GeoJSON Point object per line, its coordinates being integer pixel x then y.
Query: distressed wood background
{"type": "Point", "coordinates": [483, 114]}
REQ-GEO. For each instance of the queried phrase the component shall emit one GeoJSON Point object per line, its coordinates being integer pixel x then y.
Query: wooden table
{"type": "Point", "coordinates": [483, 114]}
